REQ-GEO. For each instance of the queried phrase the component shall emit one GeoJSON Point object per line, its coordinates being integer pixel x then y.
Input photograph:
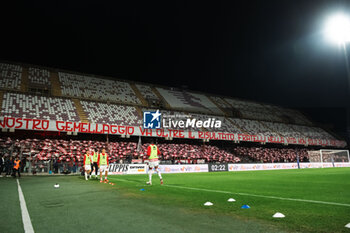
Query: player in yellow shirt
{"type": "Point", "coordinates": [87, 164]}
{"type": "Point", "coordinates": [103, 165]}
{"type": "Point", "coordinates": [152, 153]}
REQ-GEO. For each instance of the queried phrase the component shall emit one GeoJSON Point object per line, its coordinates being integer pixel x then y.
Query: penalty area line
{"type": "Point", "coordinates": [262, 196]}
{"type": "Point", "coordinates": [27, 223]}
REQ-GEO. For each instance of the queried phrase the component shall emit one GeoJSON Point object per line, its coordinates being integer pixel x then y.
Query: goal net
{"type": "Point", "coordinates": [329, 156]}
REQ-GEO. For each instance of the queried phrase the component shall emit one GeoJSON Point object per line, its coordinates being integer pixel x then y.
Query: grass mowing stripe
{"type": "Point", "coordinates": [27, 224]}
{"type": "Point", "coordinates": [263, 196]}
{"type": "Point", "coordinates": [126, 180]}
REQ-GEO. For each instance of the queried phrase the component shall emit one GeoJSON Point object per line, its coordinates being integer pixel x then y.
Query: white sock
{"type": "Point", "coordinates": [150, 175]}
{"type": "Point", "coordinates": [85, 175]}
{"type": "Point", "coordinates": [160, 175]}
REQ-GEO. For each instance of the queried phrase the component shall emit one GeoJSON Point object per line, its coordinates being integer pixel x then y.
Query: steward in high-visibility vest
{"type": "Point", "coordinates": [103, 164]}
{"type": "Point", "coordinates": [16, 164]}
{"type": "Point", "coordinates": [16, 167]}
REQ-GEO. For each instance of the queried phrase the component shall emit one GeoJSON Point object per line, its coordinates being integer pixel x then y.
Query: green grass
{"type": "Point", "coordinates": [80, 206]}
{"type": "Point", "coordinates": [10, 212]}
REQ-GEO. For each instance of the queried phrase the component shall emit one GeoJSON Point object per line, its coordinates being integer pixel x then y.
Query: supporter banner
{"type": "Point", "coordinates": [80, 127]}
{"type": "Point", "coordinates": [127, 169]}
{"type": "Point", "coordinates": [183, 168]}
{"type": "Point", "coordinates": [272, 166]}
{"type": "Point", "coordinates": [214, 167]}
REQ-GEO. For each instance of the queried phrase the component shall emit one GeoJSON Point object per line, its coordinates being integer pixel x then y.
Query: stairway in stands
{"type": "Point", "coordinates": [156, 92]}
{"type": "Point", "coordinates": [139, 111]}
{"type": "Point", "coordinates": [1, 97]}
{"type": "Point", "coordinates": [138, 94]}
{"type": "Point", "coordinates": [217, 105]}
{"type": "Point", "coordinates": [24, 80]}
{"type": "Point", "coordinates": [262, 123]}
{"type": "Point", "coordinates": [55, 85]}
{"type": "Point", "coordinates": [233, 123]}
{"type": "Point", "coordinates": [80, 111]}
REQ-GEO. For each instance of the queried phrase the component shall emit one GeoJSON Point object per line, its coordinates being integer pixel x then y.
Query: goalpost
{"type": "Point", "coordinates": [329, 156]}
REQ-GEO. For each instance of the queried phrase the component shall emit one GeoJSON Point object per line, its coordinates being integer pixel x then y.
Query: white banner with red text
{"type": "Point", "coordinates": [80, 127]}
{"type": "Point", "coordinates": [183, 168]}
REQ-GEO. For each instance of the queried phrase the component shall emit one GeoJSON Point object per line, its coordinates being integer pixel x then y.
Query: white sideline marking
{"type": "Point", "coordinates": [263, 196]}
{"type": "Point", "coordinates": [27, 224]}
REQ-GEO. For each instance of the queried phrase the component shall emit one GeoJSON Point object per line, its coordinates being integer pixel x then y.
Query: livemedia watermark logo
{"type": "Point", "coordinates": [155, 120]}
{"type": "Point", "coordinates": [152, 120]}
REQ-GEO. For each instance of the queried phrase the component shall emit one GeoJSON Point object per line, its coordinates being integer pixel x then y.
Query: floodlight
{"type": "Point", "coordinates": [338, 29]}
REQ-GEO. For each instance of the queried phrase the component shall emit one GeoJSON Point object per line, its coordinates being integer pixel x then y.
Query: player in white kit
{"type": "Point", "coordinates": [152, 153]}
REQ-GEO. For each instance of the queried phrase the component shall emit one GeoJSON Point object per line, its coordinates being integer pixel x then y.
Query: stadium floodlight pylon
{"type": "Point", "coordinates": [329, 156]}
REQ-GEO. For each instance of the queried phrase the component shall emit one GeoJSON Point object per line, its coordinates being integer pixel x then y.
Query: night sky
{"type": "Point", "coordinates": [267, 51]}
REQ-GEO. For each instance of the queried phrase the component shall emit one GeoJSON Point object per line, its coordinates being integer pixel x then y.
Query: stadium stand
{"type": "Point", "coordinates": [189, 101]}
{"type": "Point", "coordinates": [66, 150]}
{"type": "Point", "coordinates": [10, 76]}
{"type": "Point", "coordinates": [38, 107]}
{"type": "Point", "coordinates": [289, 115]}
{"type": "Point", "coordinates": [46, 149]}
{"type": "Point", "coordinates": [226, 125]}
{"type": "Point", "coordinates": [221, 102]}
{"type": "Point", "coordinates": [312, 132]}
{"type": "Point", "coordinates": [254, 111]}
{"type": "Point", "coordinates": [146, 91]}
{"type": "Point", "coordinates": [271, 155]}
{"type": "Point", "coordinates": [39, 76]}
{"type": "Point", "coordinates": [250, 127]}
{"type": "Point", "coordinates": [283, 130]}
{"type": "Point", "coordinates": [87, 87]}
{"type": "Point", "coordinates": [111, 113]}
{"type": "Point", "coordinates": [192, 152]}
{"type": "Point", "coordinates": [100, 100]}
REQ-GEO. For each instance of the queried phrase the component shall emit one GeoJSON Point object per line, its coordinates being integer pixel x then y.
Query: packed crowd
{"type": "Point", "coordinates": [74, 150]}
{"type": "Point", "coordinates": [71, 152]}
{"type": "Point", "coordinates": [271, 155]}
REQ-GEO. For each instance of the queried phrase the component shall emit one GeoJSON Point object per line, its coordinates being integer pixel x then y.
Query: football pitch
{"type": "Point", "coordinates": [312, 200]}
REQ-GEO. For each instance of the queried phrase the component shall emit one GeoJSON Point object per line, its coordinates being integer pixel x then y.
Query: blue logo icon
{"type": "Point", "coordinates": [151, 120]}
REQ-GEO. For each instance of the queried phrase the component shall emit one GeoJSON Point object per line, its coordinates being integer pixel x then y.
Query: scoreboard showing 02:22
{"type": "Point", "coordinates": [218, 167]}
